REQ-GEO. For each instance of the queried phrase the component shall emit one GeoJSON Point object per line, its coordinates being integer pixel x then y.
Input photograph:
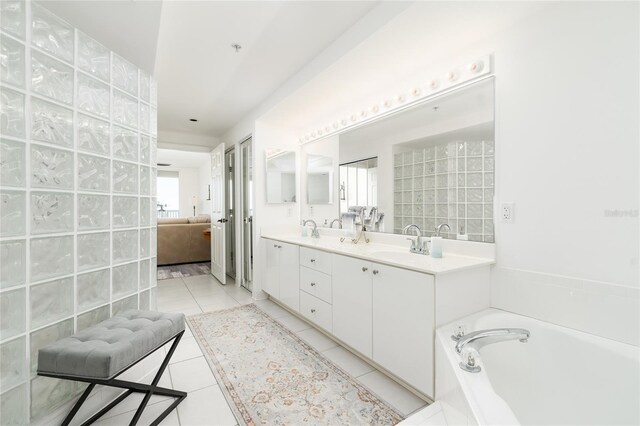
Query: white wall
{"type": "Point", "coordinates": [566, 141]}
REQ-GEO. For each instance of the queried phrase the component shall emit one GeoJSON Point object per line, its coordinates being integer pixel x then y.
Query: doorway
{"type": "Point", "coordinates": [246, 188]}
{"type": "Point", "coordinates": [230, 214]}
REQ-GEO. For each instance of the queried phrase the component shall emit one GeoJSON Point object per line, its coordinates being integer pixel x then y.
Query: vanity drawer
{"type": "Point", "coordinates": [316, 310]}
{"type": "Point", "coordinates": [316, 283]}
{"type": "Point", "coordinates": [315, 259]}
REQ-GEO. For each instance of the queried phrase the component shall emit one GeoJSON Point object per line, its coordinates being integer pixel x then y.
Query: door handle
{"type": "Point", "coordinates": [364, 269]}
{"type": "Point", "coordinates": [313, 284]}
{"type": "Point", "coordinates": [313, 260]}
{"type": "Point", "coordinates": [313, 311]}
{"type": "Point", "coordinates": [375, 272]}
{"type": "Point", "coordinates": [223, 220]}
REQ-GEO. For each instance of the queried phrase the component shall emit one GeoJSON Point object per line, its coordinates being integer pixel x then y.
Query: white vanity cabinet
{"type": "Point", "coordinates": [282, 278]}
{"type": "Point", "coordinates": [352, 308]}
{"type": "Point", "coordinates": [386, 313]}
{"type": "Point", "coordinates": [403, 324]}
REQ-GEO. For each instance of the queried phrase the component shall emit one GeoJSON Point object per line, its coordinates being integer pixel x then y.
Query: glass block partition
{"type": "Point", "coordinates": [448, 182]}
{"type": "Point", "coordinates": [77, 196]}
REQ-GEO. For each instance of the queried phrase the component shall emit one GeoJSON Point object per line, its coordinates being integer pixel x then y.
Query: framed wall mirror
{"type": "Point", "coordinates": [280, 176]}
{"type": "Point", "coordinates": [429, 164]}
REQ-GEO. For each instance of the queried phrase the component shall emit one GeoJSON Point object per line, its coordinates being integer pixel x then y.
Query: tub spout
{"type": "Point", "coordinates": [481, 338]}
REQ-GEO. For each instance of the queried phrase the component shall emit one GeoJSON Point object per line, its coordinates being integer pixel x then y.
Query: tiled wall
{"type": "Point", "coordinates": [77, 192]}
{"type": "Point", "coordinates": [446, 183]}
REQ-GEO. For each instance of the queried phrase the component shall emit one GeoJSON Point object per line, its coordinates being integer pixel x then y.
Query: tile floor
{"type": "Point", "coordinates": [189, 371]}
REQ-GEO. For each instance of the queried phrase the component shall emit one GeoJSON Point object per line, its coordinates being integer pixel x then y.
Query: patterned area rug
{"type": "Point", "coordinates": [271, 377]}
{"type": "Point", "coordinates": [184, 270]}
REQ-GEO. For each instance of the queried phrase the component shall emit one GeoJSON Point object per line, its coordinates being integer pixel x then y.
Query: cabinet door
{"type": "Point", "coordinates": [289, 269]}
{"type": "Point", "coordinates": [403, 324]}
{"type": "Point", "coordinates": [271, 279]}
{"type": "Point", "coordinates": [351, 285]}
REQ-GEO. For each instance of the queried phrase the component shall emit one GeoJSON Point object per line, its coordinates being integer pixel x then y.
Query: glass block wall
{"type": "Point", "coordinates": [448, 182]}
{"type": "Point", "coordinates": [77, 196]}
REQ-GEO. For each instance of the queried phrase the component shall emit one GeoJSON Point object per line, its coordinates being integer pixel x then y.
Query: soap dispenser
{"type": "Point", "coordinates": [436, 241]}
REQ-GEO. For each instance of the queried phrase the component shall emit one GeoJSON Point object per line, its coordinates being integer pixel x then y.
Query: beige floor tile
{"type": "Point", "coordinates": [191, 375]}
{"type": "Point", "coordinates": [206, 406]}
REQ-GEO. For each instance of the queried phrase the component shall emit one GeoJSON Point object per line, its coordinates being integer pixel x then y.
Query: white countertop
{"type": "Point", "coordinates": [387, 254]}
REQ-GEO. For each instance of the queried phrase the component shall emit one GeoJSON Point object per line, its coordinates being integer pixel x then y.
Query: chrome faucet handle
{"type": "Point", "coordinates": [413, 243]}
{"type": "Point", "coordinates": [458, 333]}
{"type": "Point", "coordinates": [469, 364]}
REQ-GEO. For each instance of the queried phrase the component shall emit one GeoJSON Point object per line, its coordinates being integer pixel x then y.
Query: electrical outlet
{"type": "Point", "coordinates": [507, 211]}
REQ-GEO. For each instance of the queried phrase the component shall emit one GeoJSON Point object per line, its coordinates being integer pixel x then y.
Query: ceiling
{"type": "Point", "coordinates": [129, 28]}
{"type": "Point", "coordinates": [178, 158]}
{"type": "Point", "coordinates": [187, 46]}
{"type": "Point", "coordinates": [201, 76]}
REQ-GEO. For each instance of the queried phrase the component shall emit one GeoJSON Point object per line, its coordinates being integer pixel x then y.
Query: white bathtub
{"type": "Point", "coordinates": [559, 377]}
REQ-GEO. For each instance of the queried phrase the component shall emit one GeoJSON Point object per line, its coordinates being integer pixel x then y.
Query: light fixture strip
{"type": "Point", "coordinates": [420, 93]}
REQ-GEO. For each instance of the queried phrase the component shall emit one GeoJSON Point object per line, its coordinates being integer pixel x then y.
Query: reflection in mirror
{"type": "Point", "coordinates": [359, 193]}
{"type": "Point", "coordinates": [434, 164]}
{"type": "Point", "coordinates": [281, 176]}
{"type": "Point", "coordinates": [319, 179]}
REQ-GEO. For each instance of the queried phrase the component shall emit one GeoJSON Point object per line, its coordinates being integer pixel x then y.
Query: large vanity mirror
{"type": "Point", "coordinates": [281, 176]}
{"type": "Point", "coordinates": [319, 179]}
{"type": "Point", "coordinates": [426, 165]}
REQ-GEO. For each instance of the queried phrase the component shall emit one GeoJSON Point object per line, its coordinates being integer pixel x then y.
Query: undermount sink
{"type": "Point", "coordinates": [397, 255]}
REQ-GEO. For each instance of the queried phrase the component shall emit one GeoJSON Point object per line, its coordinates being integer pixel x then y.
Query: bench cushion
{"type": "Point", "coordinates": [105, 349]}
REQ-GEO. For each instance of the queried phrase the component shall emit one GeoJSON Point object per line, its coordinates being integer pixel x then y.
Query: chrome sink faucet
{"type": "Point", "coordinates": [314, 231]}
{"type": "Point", "coordinates": [334, 221]}
{"type": "Point", "coordinates": [418, 246]}
{"type": "Point", "coordinates": [481, 338]}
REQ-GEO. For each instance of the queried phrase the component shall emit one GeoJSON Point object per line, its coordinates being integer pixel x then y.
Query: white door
{"type": "Point", "coordinates": [403, 323]}
{"type": "Point", "coordinates": [218, 219]}
{"type": "Point", "coordinates": [352, 321]}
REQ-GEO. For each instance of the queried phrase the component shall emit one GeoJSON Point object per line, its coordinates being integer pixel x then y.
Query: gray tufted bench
{"type": "Point", "coordinates": [97, 355]}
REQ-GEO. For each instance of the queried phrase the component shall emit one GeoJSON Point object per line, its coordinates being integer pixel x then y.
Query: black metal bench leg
{"type": "Point", "coordinates": [155, 381]}
{"type": "Point", "coordinates": [78, 404]}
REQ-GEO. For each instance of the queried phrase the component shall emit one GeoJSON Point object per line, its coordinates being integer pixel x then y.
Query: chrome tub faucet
{"type": "Point", "coordinates": [478, 339]}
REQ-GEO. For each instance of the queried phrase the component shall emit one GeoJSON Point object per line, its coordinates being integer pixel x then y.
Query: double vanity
{"type": "Point", "coordinates": [378, 299]}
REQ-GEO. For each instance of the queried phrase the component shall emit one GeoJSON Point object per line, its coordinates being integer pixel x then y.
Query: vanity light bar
{"type": "Point", "coordinates": [421, 92]}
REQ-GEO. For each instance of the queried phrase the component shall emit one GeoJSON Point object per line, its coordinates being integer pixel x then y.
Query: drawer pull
{"type": "Point", "coordinates": [313, 311]}
{"type": "Point", "coordinates": [313, 284]}
{"type": "Point", "coordinates": [275, 246]}
{"type": "Point", "coordinates": [313, 260]}
{"type": "Point", "coordinates": [375, 272]}
{"type": "Point", "coordinates": [365, 269]}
